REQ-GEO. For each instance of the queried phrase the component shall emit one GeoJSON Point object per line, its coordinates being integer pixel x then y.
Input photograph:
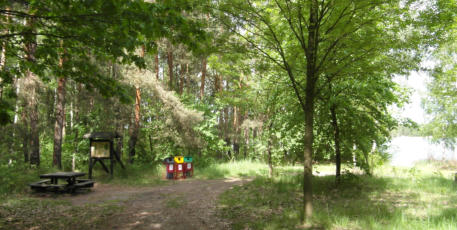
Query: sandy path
{"type": "Point", "coordinates": [187, 204]}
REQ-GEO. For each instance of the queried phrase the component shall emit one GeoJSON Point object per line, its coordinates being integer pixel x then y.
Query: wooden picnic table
{"type": "Point", "coordinates": [51, 181]}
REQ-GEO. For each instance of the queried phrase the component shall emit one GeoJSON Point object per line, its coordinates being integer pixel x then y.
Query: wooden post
{"type": "Point", "coordinates": [90, 159]}
{"type": "Point", "coordinates": [111, 157]}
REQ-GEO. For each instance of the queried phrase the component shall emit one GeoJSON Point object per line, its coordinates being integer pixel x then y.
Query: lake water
{"type": "Point", "coordinates": [408, 150]}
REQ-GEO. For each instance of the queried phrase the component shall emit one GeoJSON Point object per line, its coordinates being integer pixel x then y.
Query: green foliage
{"type": "Point", "coordinates": [441, 99]}
{"type": "Point", "coordinates": [16, 176]}
{"type": "Point", "coordinates": [112, 32]}
{"type": "Point", "coordinates": [408, 128]}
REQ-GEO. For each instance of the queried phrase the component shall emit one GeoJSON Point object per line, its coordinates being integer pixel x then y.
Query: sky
{"type": "Point", "coordinates": [408, 150]}
{"type": "Point", "coordinates": [416, 81]}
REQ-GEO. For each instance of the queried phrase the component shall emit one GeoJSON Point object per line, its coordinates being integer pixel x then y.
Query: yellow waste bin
{"type": "Point", "coordinates": [179, 159]}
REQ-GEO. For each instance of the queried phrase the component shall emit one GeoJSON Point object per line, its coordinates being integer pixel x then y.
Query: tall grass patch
{"type": "Point", "coordinates": [418, 199]}
{"type": "Point", "coordinates": [28, 213]}
{"type": "Point", "coordinates": [245, 168]}
{"type": "Point", "coordinates": [16, 177]}
{"type": "Point", "coordinates": [132, 175]}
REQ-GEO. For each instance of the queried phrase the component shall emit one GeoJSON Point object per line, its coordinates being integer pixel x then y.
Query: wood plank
{"type": "Point", "coordinates": [84, 184]}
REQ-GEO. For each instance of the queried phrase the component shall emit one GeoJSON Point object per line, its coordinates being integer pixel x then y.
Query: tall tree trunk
{"type": "Point", "coordinates": [308, 156]}
{"type": "Point", "coordinates": [202, 85]}
{"type": "Point", "coordinates": [157, 65]}
{"type": "Point", "coordinates": [33, 121]}
{"type": "Point", "coordinates": [25, 135]}
{"type": "Point", "coordinates": [187, 78]}
{"type": "Point", "coordinates": [182, 79]}
{"type": "Point", "coordinates": [2, 65]}
{"type": "Point", "coordinates": [76, 104]}
{"type": "Point", "coordinates": [354, 158]}
{"type": "Point", "coordinates": [336, 133]}
{"type": "Point", "coordinates": [58, 128]}
{"type": "Point", "coordinates": [170, 67]}
{"type": "Point", "coordinates": [246, 136]}
{"type": "Point", "coordinates": [60, 119]}
{"type": "Point", "coordinates": [270, 163]}
{"type": "Point", "coordinates": [136, 126]}
{"type": "Point", "coordinates": [31, 87]}
{"type": "Point", "coordinates": [118, 119]}
{"type": "Point", "coordinates": [3, 54]}
{"type": "Point", "coordinates": [16, 107]}
{"type": "Point", "coordinates": [76, 114]}
{"type": "Point", "coordinates": [151, 146]}
{"type": "Point", "coordinates": [225, 130]}
{"type": "Point", "coordinates": [235, 137]}
{"type": "Point", "coordinates": [311, 78]}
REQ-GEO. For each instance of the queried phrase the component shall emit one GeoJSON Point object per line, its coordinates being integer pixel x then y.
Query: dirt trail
{"type": "Point", "coordinates": [187, 204]}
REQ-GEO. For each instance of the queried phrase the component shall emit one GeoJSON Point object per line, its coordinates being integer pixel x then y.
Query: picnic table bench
{"type": "Point", "coordinates": [51, 182]}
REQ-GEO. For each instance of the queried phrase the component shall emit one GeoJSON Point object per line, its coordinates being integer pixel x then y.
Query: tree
{"type": "Point", "coordinates": [441, 96]}
{"type": "Point", "coordinates": [60, 117]}
{"type": "Point", "coordinates": [311, 39]}
{"type": "Point", "coordinates": [126, 25]}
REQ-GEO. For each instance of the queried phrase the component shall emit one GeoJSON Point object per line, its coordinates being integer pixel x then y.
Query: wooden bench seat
{"type": "Point", "coordinates": [84, 184]}
{"type": "Point", "coordinates": [41, 182]}
{"type": "Point", "coordinates": [45, 185]}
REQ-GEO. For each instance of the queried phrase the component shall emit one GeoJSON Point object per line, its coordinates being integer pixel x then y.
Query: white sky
{"type": "Point", "coordinates": [416, 81]}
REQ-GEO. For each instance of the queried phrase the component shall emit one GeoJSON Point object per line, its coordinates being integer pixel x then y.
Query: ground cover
{"type": "Point", "coordinates": [239, 195]}
{"type": "Point", "coordinates": [137, 197]}
{"type": "Point", "coordinates": [422, 197]}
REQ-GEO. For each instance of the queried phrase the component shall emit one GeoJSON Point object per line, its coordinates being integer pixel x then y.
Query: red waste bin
{"type": "Point", "coordinates": [188, 166]}
{"type": "Point", "coordinates": [179, 168]}
{"type": "Point", "coordinates": [188, 169]}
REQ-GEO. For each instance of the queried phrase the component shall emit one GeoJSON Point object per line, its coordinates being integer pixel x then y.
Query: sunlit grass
{"type": "Point", "coordinates": [419, 197]}
{"type": "Point", "coordinates": [422, 197]}
{"type": "Point", "coordinates": [245, 168]}
{"type": "Point", "coordinates": [133, 175]}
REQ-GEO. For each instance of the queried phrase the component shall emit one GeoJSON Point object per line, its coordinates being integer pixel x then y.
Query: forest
{"type": "Point", "coordinates": [286, 87]}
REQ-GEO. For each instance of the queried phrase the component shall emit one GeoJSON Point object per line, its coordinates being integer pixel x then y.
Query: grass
{"type": "Point", "coordinates": [422, 197]}
{"type": "Point", "coordinates": [15, 179]}
{"type": "Point", "coordinates": [32, 213]}
{"type": "Point", "coordinates": [133, 175]}
{"type": "Point", "coordinates": [19, 210]}
{"type": "Point", "coordinates": [244, 168]}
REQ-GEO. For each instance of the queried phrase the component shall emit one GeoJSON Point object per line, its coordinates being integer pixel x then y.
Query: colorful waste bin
{"type": "Point", "coordinates": [170, 167]}
{"type": "Point", "coordinates": [179, 167]}
{"type": "Point", "coordinates": [188, 167]}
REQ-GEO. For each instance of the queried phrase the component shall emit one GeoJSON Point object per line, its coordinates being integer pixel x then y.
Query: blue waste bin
{"type": "Point", "coordinates": [169, 167]}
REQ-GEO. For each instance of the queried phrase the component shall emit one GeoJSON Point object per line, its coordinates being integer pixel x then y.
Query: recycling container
{"type": "Point", "coordinates": [188, 166]}
{"type": "Point", "coordinates": [179, 167]}
{"type": "Point", "coordinates": [188, 159]}
{"type": "Point", "coordinates": [179, 159]}
{"type": "Point", "coordinates": [170, 167]}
